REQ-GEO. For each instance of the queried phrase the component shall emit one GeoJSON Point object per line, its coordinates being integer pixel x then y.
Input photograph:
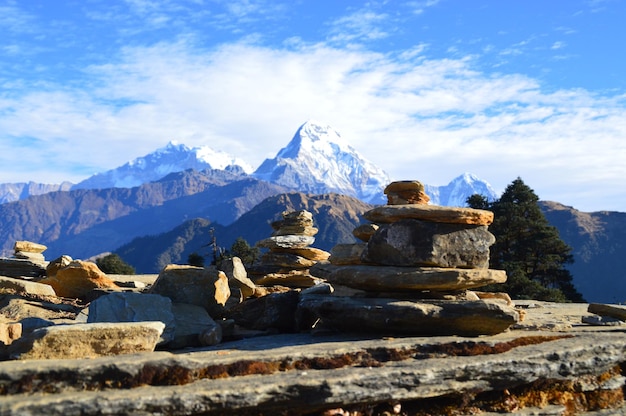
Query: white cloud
{"type": "Point", "coordinates": [416, 118]}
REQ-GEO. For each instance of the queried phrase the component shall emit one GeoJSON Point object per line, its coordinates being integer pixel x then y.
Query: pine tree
{"type": "Point", "coordinates": [527, 247]}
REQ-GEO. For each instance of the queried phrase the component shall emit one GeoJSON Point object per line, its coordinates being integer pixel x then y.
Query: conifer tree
{"type": "Point", "coordinates": [527, 247]}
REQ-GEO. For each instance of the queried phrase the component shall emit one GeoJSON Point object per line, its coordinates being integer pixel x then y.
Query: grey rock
{"type": "Point", "coordinates": [21, 268]}
{"type": "Point", "coordinates": [405, 317]}
{"type": "Point", "coordinates": [413, 242]}
{"type": "Point", "coordinates": [287, 241]}
{"type": "Point", "coordinates": [194, 327]}
{"type": "Point", "coordinates": [134, 307]}
{"type": "Point", "coordinates": [274, 311]}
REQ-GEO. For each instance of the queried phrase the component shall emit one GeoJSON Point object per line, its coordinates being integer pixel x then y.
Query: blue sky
{"type": "Point", "coordinates": [425, 89]}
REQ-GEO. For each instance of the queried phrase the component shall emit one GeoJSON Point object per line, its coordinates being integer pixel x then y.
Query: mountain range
{"type": "Point", "coordinates": [182, 195]}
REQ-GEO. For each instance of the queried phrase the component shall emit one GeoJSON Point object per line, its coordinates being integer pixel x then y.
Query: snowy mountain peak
{"type": "Point", "coordinates": [174, 157]}
{"type": "Point", "coordinates": [318, 160]}
{"type": "Point", "coordinates": [455, 193]}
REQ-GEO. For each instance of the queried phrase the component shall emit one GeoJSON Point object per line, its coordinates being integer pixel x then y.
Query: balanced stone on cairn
{"type": "Point", "coordinates": [28, 261]}
{"type": "Point", "coordinates": [424, 257]}
{"type": "Point", "coordinates": [290, 256]}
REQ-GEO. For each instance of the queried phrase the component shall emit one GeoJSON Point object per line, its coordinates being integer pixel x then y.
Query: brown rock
{"type": "Point", "coordinates": [310, 253]}
{"type": "Point", "coordinates": [56, 264]}
{"type": "Point", "coordinates": [292, 278]}
{"type": "Point", "coordinates": [299, 218]}
{"type": "Point", "coordinates": [364, 231]}
{"type": "Point", "coordinates": [87, 340]}
{"type": "Point", "coordinates": [206, 287]}
{"type": "Point", "coordinates": [296, 229]}
{"type": "Point", "coordinates": [434, 213]}
{"type": "Point", "coordinates": [9, 332]}
{"type": "Point", "coordinates": [400, 279]}
{"type": "Point", "coordinates": [342, 254]}
{"type": "Point", "coordinates": [29, 246]}
{"type": "Point", "coordinates": [238, 276]}
{"type": "Point", "coordinates": [614, 311]}
{"type": "Point", "coordinates": [406, 192]}
{"type": "Point", "coordinates": [78, 279]}
{"type": "Point", "coordinates": [287, 260]}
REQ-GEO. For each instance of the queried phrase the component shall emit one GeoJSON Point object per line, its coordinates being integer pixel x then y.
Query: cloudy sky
{"type": "Point", "coordinates": [425, 89]}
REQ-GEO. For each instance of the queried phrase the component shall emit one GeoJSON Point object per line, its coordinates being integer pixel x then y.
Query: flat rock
{"type": "Point", "coordinates": [398, 279]}
{"type": "Point", "coordinates": [11, 267]}
{"type": "Point", "coordinates": [392, 213]}
{"type": "Point", "coordinates": [87, 340]}
{"type": "Point", "coordinates": [287, 241]}
{"type": "Point", "coordinates": [301, 373]}
{"type": "Point", "coordinates": [29, 246]}
{"type": "Point", "coordinates": [134, 307]}
{"type": "Point", "coordinates": [310, 253]}
{"type": "Point", "coordinates": [26, 286]}
{"type": "Point", "coordinates": [403, 317]}
{"type": "Point", "coordinates": [286, 260]}
{"type": "Point", "coordinates": [365, 231]}
{"type": "Point", "coordinates": [206, 287]}
{"type": "Point", "coordinates": [274, 311]}
{"type": "Point", "coordinates": [292, 279]}
{"type": "Point", "coordinates": [413, 242]}
{"type": "Point", "coordinates": [613, 311]}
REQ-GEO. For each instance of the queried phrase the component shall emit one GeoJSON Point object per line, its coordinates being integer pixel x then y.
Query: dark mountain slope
{"type": "Point", "coordinates": [598, 242]}
{"type": "Point", "coordinates": [82, 223]}
{"type": "Point", "coordinates": [334, 215]}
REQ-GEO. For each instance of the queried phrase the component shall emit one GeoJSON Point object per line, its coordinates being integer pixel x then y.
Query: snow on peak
{"type": "Point", "coordinates": [174, 157]}
{"type": "Point", "coordinates": [318, 160]}
{"type": "Point", "coordinates": [455, 193]}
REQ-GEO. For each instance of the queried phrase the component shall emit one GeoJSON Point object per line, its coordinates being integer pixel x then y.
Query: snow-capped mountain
{"type": "Point", "coordinates": [317, 160]}
{"type": "Point", "coordinates": [10, 192]}
{"type": "Point", "coordinates": [172, 158]}
{"type": "Point", "coordinates": [458, 190]}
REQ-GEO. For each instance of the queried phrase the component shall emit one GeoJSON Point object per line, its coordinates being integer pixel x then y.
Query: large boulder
{"type": "Point", "coordinates": [78, 279]}
{"type": "Point", "coordinates": [134, 307]}
{"type": "Point", "coordinates": [413, 242]}
{"type": "Point", "coordinates": [205, 287]}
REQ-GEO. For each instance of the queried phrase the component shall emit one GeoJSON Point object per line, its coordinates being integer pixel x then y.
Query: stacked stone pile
{"type": "Point", "coordinates": [28, 261]}
{"type": "Point", "coordinates": [415, 270]}
{"type": "Point", "coordinates": [290, 254]}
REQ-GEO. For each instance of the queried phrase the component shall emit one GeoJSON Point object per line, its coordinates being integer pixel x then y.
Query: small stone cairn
{"type": "Point", "coordinates": [290, 254]}
{"type": "Point", "coordinates": [28, 261]}
{"type": "Point", "coordinates": [415, 271]}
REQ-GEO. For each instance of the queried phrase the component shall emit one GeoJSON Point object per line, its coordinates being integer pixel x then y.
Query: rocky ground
{"type": "Point", "coordinates": [551, 363]}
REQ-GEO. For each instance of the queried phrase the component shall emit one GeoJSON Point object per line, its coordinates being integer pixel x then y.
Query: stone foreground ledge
{"type": "Point", "coordinates": [301, 371]}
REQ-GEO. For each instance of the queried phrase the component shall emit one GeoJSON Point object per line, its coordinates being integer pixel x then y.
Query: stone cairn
{"type": "Point", "coordinates": [414, 273]}
{"type": "Point", "coordinates": [290, 254]}
{"type": "Point", "coordinates": [27, 261]}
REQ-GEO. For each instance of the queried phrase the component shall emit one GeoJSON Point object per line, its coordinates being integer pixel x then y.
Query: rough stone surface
{"type": "Point", "coordinates": [25, 286]}
{"type": "Point", "coordinates": [310, 253]}
{"type": "Point", "coordinates": [287, 241]}
{"type": "Point", "coordinates": [9, 332]}
{"type": "Point", "coordinates": [434, 213]}
{"type": "Point", "coordinates": [87, 340]}
{"type": "Point", "coordinates": [79, 278]}
{"type": "Point", "coordinates": [134, 307]}
{"type": "Point", "coordinates": [389, 278]}
{"type": "Point", "coordinates": [238, 276]}
{"type": "Point", "coordinates": [194, 327]}
{"type": "Point", "coordinates": [517, 372]}
{"type": "Point", "coordinates": [206, 287]}
{"type": "Point", "coordinates": [21, 268]}
{"type": "Point", "coordinates": [365, 231]}
{"type": "Point", "coordinates": [392, 316]}
{"type": "Point", "coordinates": [614, 311]}
{"type": "Point", "coordinates": [406, 192]}
{"type": "Point", "coordinates": [286, 260]}
{"type": "Point", "coordinates": [29, 246]}
{"type": "Point", "coordinates": [53, 267]}
{"type": "Point", "coordinates": [343, 254]}
{"type": "Point", "coordinates": [292, 278]}
{"type": "Point", "coordinates": [421, 243]}
{"type": "Point", "coordinates": [274, 311]}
